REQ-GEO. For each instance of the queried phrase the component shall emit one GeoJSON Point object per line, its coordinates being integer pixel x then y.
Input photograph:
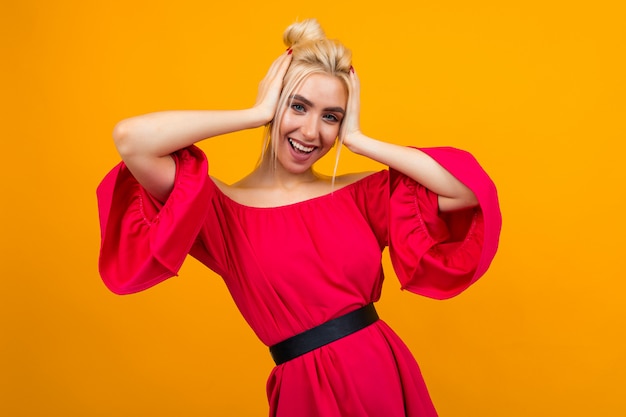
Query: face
{"type": "Point", "coordinates": [311, 122]}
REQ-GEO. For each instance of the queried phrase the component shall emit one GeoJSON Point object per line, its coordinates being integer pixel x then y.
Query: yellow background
{"type": "Point", "coordinates": [535, 89]}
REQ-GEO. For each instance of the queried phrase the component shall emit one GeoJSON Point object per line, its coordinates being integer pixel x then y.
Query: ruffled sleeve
{"type": "Point", "coordinates": [435, 254]}
{"type": "Point", "coordinates": [143, 241]}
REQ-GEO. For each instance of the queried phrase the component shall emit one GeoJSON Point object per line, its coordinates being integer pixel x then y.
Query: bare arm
{"type": "Point", "coordinates": [146, 142]}
{"type": "Point", "coordinates": [453, 195]}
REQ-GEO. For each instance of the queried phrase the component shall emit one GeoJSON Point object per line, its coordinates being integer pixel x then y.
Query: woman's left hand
{"type": "Point", "coordinates": [352, 128]}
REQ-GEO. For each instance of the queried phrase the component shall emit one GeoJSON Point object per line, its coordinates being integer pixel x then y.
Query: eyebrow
{"type": "Point", "coordinates": [309, 103]}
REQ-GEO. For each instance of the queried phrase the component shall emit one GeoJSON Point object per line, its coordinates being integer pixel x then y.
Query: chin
{"type": "Point", "coordinates": [297, 169]}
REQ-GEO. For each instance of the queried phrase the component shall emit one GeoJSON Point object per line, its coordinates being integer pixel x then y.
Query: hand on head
{"type": "Point", "coordinates": [271, 86]}
{"type": "Point", "coordinates": [351, 125]}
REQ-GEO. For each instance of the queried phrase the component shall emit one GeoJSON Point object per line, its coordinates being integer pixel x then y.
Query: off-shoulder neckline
{"type": "Point", "coordinates": [341, 189]}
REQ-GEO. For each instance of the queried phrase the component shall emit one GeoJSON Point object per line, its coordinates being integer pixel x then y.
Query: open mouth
{"type": "Point", "coordinates": [300, 147]}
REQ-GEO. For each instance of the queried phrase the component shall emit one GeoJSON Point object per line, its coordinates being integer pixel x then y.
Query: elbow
{"type": "Point", "coordinates": [124, 138]}
{"type": "Point", "coordinates": [120, 131]}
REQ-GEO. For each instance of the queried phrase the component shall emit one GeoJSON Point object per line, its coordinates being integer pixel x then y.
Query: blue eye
{"type": "Point", "coordinates": [298, 107]}
{"type": "Point", "coordinates": [331, 118]}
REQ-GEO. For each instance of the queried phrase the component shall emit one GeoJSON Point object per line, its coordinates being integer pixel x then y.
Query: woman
{"type": "Point", "coordinates": [301, 252]}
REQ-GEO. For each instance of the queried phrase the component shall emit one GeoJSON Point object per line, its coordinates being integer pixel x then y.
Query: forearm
{"type": "Point", "coordinates": [162, 133]}
{"type": "Point", "coordinates": [420, 167]}
{"type": "Point", "coordinates": [147, 142]}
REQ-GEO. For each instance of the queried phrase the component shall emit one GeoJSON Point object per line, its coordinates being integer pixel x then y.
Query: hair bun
{"type": "Point", "coordinates": [301, 32]}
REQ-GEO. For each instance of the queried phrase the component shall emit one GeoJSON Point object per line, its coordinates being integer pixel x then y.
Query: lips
{"type": "Point", "coordinates": [299, 147]}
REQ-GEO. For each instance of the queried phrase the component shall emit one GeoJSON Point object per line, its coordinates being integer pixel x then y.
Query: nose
{"type": "Point", "coordinates": [310, 128]}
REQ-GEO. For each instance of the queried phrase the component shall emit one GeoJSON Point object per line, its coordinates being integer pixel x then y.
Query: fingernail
{"type": "Point", "coordinates": [351, 69]}
{"type": "Point", "coordinates": [289, 51]}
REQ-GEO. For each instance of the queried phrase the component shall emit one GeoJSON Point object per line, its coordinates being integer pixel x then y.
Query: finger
{"type": "Point", "coordinates": [278, 66]}
{"type": "Point", "coordinates": [355, 99]}
{"type": "Point", "coordinates": [353, 75]}
{"type": "Point", "coordinates": [284, 65]}
{"type": "Point", "coordinates": [356, 83]}
{"type": "Point", "coordinates": [281, 65]}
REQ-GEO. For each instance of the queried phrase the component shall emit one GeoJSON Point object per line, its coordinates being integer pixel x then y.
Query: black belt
{"type": "Point", "coordinates": [323, 334]}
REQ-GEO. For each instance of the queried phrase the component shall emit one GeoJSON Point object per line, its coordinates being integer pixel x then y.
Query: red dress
{"type": "Point", "coordinates": [293, 267]}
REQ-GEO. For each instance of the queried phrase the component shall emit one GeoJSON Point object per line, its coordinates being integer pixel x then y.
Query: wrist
{"type": "Point", "coordinates": [257, 117]}
{"type": "Point", "coordinates": [357, 142]}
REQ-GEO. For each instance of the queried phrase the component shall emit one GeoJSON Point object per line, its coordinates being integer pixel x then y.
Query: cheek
{"type": "Point", "coordinates": [286, 123]}
{"type": "Point", "coordinates": [330, 135]}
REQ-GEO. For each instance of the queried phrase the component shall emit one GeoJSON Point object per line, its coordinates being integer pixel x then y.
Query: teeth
{"type": "Point", "coordinates": [301, 147]}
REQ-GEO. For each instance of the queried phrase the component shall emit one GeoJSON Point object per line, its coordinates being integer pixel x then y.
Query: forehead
{"type": "Point", "coordinates": [324, 90]}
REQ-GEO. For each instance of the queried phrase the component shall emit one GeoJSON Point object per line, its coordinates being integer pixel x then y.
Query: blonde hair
{"type": "Point", "coordinates": [312, 53]}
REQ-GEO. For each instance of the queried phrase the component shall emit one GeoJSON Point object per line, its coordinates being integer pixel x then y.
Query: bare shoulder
{"type": "Point", "coordinates": [220, 184]}
{"type": "Point", "coordinates": [233, 191]}
{"type": "Point", "coordinates": [347, 179]}
{"type": "Point", "coordinates": [250, 192]}
{"type": "Point", "coordinates": [245, 192]}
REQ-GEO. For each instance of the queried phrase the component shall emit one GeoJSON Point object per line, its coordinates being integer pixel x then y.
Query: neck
{"type": "Point", "coordinates": [270, 173]}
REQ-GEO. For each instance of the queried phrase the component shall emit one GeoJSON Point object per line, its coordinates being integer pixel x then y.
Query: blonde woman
{"type": "Point", "coordinates": [299, 251]}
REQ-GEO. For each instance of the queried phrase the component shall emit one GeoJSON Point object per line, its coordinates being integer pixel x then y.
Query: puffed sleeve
{"type": "Point", "coordinates": [143, 241]}
{"type": "Point", "coordinates": [436, 254]}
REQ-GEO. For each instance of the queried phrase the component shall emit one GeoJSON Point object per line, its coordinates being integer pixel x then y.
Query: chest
{"type": "Point", "coordinates": [329, 238]}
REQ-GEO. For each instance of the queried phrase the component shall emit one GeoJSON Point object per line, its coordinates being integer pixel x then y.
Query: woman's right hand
{"type": "Point", "coordinates": [271, 86]}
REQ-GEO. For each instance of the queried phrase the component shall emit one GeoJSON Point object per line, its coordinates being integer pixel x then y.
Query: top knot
{"type": "Point", "coordinates": [301, 32]}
